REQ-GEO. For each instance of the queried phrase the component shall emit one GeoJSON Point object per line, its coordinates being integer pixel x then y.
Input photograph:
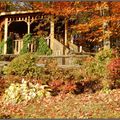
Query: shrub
{"type": "Point", "coordinates": [43, 48]}
{"type": "Point", "coordinates": [114, 68]}
{"type": "Point", "coordinates": [24, 91]}
{"type": "Point", "coordinates": [96, 68]}
{"type": "Point", "coordinates": [9, 45]}
{"type": "Point", "coordinates": [50, 71]}
{"type": "Point", "coordinates": [23, 65]}
{"type": "Point", "coordinates": [60, 86]}
{"type": "Point", "coordinates": [26, 40]}
{"type": "Point", "coordinates": [97, 65]}
{"type": "Point", "coordinates": [104, 55]}
{"type": "Point", "coordinates": [1, 47]}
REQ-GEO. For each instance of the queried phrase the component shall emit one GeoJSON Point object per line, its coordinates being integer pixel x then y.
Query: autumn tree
{"type": "Point", "coordinates": [68, 10]}
{"type": "Point", "coordinates": [103, 24]}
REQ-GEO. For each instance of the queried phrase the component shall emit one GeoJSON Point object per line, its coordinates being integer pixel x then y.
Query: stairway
{"type": "Point", "coordinates": [61, 49]}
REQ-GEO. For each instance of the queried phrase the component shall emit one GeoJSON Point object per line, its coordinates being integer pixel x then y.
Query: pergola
{"type": "Point", "coordinates": [28, 17]}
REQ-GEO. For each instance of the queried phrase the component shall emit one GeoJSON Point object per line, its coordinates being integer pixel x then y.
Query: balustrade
{"type": "Point", "coordinates": [18, 44]}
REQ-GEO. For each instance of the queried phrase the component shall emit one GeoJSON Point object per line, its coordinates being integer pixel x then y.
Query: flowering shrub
{"type": "Point", "coordinates": [114, 68]}
{"type": "Point", "coordinates": [25, 91]}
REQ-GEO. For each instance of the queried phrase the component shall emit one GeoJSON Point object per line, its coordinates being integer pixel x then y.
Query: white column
{"type": "Point", "coordinates": [72, 38]}
{"type": "Point", "coordinates": [80, 49]}
{"type": "Point", "coordinates": [5, 35]}
{"type": "Point", "coordinates": [52, 32]}
{"type": "Point", "coordinates": [66, 30]}
{"type": "Point", "coordinates": [28, 24]}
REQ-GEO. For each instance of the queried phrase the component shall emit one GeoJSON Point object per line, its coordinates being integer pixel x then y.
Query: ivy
{"type": "Point", "coordinates": [43, 48]}
{"type": "Point", "coordinates": [9, 45]}
{"type": "Point", "coordinates": [1, 47]}
{"type": "Point", "coordinates": [26, 40]}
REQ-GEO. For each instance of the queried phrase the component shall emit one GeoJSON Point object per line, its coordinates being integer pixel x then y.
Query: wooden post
{"type": "Point", "coordinates": [52, 32]}
{"type": "Point", "coordinates": [19, 46]}
{"type": "Point", "coordinates": [15, 49]}
{"type": "Point", "coordinates": [28, 24]}
{"type": "Point", "coordinates": [5, 35]}
{"type": "Point", "coordinates": [72, 39]}
{"type": "Point", "coordinates": [66, 30]}
{"type": "Point", "coordinates": [80, 50]}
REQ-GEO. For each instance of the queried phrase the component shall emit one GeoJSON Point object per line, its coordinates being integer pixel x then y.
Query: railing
{"type": "Point", "coordinates": [32, 46]}
{"type": "Point", "coordinates": [18, 44]}
{"type": "Point", "coordinates": [48, 41]}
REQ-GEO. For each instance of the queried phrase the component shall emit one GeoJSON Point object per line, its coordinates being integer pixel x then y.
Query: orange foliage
{"type": "Point", "coordinates": [93, 28]}
{"type": "Point", "coordinates": [61, 8]}
{"type": "Point", "coordinates": [97, 20]}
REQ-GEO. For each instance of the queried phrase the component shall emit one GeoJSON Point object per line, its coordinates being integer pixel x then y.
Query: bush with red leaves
{"type": "Point", "coordinates": [114, 68]}
{"type": "Point", "coordinates": [59, 86]}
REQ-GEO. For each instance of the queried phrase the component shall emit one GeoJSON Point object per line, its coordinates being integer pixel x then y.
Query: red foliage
{"type": "Point", "coordinates": [69, 87]}
{"type": "Point", "coordinates": [62, 86]}
{"type": "Point", "coordinates": [55, 84]}
{"type": "Point", "coordinates": [114, 68]}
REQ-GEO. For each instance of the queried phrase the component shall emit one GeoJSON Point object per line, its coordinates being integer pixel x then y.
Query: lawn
{"type": "Point", "coordinates": [97, 105]}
